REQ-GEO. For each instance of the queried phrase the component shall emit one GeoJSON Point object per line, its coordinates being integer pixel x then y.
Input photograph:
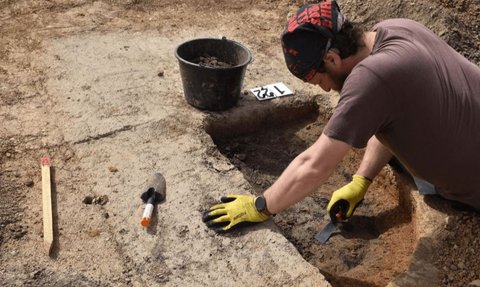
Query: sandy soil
{"type": "Point", "coordinates": [80, 81]}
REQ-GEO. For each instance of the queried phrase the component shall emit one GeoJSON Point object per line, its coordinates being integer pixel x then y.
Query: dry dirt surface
{"type": "Point", "coordinates": [94, 84]}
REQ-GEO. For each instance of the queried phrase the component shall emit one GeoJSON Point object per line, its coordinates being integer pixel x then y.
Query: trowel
{"type": "Point", "coordinates": [155, 193]}
{"type": "Point", "coordinates": [337, 215]}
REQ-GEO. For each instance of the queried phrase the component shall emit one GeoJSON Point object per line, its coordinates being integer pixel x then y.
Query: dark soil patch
{"type": "Point", "coordinates": [371, 249]}
{"type": "Point", "coordinates": [211, 62]}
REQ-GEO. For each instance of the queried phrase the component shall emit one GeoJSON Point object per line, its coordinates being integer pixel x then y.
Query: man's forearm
{"type": "Point", "coordinates": [305, 173]}
{"type": "Point", "coordinates": [375, 158]}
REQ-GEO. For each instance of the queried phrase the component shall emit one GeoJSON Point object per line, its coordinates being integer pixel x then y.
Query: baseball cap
{"type": "Point", "coordinates": [309, 35]}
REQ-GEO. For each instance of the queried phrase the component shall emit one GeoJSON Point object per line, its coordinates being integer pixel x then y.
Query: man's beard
{"type": "Point", "coordinates": [337, 78]}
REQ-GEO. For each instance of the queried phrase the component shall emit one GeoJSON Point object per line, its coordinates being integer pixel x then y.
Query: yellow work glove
{"type": "Point", "coordinates": [233, 210]}
{"type": "Point", "coordinates": [346, 199]}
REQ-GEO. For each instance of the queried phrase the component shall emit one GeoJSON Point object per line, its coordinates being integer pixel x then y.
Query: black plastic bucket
{"type": "Point", "coordinates": [211, 87]}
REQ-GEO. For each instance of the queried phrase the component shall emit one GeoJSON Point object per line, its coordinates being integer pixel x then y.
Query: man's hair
{"type": "Point", "coordinates": [349, 39]}
{"type": "Point", "coordinates": [312, 31]}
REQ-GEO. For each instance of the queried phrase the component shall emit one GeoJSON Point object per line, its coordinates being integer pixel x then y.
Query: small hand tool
{"type": "Point", "coordinates": [337, 215]}
{"type": "Point", "coordinates": [155, 193]}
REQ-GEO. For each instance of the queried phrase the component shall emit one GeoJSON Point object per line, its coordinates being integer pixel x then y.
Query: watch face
{"type": "Point", "coordinates": [260, 203]}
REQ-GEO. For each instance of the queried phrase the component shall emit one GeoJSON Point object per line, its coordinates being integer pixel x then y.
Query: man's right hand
{"type": "Point", "coordinates": [347, 198]}
{"type": "Point", "coordinates": [233, 210]}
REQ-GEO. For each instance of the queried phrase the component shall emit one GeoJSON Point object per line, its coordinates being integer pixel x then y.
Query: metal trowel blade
{"type": "Point", "coordinates": [326, 232]}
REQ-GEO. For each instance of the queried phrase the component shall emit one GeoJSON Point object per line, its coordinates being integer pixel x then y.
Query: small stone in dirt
{"type": "Point", "coordinates": [29, 182]}
{"type": "Point", "coordinates": [102, 200]}
{"type": "Point", "coordinates": [19, 234]}
{"type": "Point", "coordinates": [475, 283]}
{"type": "Point", "coordinates": [161, 278]}
{"type": "Point", "coordinates": [88, 199]}
{"type": "Point", "coordinates": [112, 169]}
{"type": "Point", "coordinates": [183, 231]}
{"type": "Point", "coordinates": [35, 274]}
{"type": "Point", "coordinates": [68, 154]}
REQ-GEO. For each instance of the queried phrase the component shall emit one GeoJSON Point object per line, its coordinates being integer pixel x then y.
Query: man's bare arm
{"type": "Point", "coordinates": [305, 173]}
{"type": "Point", "coordinates": [375, 158]}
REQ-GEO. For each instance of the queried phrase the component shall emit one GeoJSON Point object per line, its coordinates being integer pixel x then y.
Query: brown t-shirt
{"type": "Point", "coordinates": [422, 101]}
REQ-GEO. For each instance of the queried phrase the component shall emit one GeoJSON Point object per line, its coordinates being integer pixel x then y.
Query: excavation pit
{"type": "Point", "coordinates": [378, 242]}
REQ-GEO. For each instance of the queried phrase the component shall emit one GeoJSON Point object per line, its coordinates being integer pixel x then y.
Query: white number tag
{"type": "Point", "coordinates": [271, 91]}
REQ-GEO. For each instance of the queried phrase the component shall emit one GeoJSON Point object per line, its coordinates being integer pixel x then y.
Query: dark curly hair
{"type": "Point", "coordinates": [349, 39]}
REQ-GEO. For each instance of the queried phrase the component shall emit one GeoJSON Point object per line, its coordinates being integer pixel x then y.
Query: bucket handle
{"type": "Point", "coordinates": [252, 58]}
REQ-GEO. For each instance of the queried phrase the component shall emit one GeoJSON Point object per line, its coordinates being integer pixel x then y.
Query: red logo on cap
{"type": "Point", "coordinates": [292, 52]}
{"type": "Point", "coordinates": [315, 14]}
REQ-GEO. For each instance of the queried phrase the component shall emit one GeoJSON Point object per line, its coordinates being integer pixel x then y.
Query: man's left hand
{"type": "Point", "coordinates": [233, 210]}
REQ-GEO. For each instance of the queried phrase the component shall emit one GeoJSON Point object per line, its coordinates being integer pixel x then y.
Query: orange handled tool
{"type": "Point", "coordinates": [155, 193]}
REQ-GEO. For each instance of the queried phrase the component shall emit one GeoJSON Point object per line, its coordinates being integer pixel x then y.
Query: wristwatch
{"type": "Point", "coordinates": [261, 205]}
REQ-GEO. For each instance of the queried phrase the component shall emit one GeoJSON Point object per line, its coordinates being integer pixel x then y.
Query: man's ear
{"type": "Point", "coordinates": [332, 58]}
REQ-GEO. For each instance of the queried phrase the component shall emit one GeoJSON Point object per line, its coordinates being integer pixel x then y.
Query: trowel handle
{"type": "Point", "coordinates": [147, 215]}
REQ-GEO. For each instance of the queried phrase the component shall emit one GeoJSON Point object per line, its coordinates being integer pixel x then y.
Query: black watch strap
{"type": "Point", "coordinates": [261, 205]}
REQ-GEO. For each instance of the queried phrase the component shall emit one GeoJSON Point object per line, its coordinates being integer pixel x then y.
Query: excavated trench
{"type": "Point", "coordinates": [377, 243]}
